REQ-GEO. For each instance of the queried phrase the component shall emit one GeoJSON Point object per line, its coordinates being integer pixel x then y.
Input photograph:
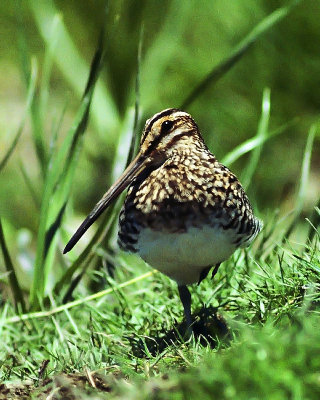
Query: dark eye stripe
{"type": "Point", "coordinates": [154, 119]}
{"type": "Point", "coordinates": [154, 144]}
{"type": "Point", "coordinates": [179, 136]}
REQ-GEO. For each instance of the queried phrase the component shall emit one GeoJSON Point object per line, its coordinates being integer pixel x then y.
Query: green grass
{"type": "Point", "coordinates": [271, 349]}
{"type": "Point", "coordinates": [102, 318]}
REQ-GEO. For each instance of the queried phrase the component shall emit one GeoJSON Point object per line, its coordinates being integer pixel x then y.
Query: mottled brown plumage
{"type": "Point", "coordinates": [183, 193]}
{"type": "Point", "coordinates": [184, 211]}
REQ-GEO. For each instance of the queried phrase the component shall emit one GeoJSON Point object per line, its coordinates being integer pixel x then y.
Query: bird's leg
{"type": "Point", "coordinates": [185, 298]}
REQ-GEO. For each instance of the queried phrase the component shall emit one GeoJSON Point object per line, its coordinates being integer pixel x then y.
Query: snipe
{"type": "Point", "coordinates": [184, 212]}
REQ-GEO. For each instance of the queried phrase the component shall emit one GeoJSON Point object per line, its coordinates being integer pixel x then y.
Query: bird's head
{"type": "Point", "coordinates": [165, 134]}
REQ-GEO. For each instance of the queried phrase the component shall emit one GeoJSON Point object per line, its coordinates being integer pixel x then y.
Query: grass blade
{"type": "Point", "coordinates": [76, 303]}
{"type": "Point", "coordinates": [52, 177]}
{"type": "Point", "coordinates": [59, 171]}
{"type": "Point", "coordinates": [314, 221]}
{"type": "Point", "coordinates": [221, 69]}
{"type": "Point", "coordinates": [133, 143]}
{"type": "Point", "coordinates": [262, 133]}
{"type": "Point", "coordinates": [30, 97]}
{"type": "Point", "coordinates": [305, 170]}
{"type": "Point", "coordinates": [74, 68]}
{"type": "Point", "coordinates": [105, 229]}
{"type": "Point", "coordinates": [107, 223]}
{"type": "Point", "coordinates": [169, 37]}
{"type": "Point", "coordinates": [47, 67]}
{"type": "Point", "coordinates": [14, 283]}
{"type": "Point", "coordinates": [29, 185]}
{"type": "Point", "coordinates": [89, 249]}
{"type": "Point", "coordinates": [54, 228]}
{"type": "Point", "coordinates": [36, 119]}
{"type": "Point", "coordinates": [251, 144]}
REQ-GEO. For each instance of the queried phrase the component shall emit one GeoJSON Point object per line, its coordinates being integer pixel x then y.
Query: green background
{"type": "Point", "coordinates": [182, 42]}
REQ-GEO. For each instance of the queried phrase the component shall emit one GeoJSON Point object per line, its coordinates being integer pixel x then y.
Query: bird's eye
{"type": "Point", "coordinates": [166, 126]}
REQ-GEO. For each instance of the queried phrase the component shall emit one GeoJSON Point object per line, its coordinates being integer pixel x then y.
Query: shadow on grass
{"type": "Point", "coordinates": [209, 328]}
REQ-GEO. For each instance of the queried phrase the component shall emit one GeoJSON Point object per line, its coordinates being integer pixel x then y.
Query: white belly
{"type": "Point", "coordinates": [182, 256]}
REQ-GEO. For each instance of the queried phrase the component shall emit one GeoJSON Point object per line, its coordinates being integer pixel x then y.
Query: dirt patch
{"type": "Point", "coordinates": [64, 386]}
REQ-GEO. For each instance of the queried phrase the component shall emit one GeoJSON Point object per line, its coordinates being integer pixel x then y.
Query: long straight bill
{"type": "Point", "coordinates": [133, 170]}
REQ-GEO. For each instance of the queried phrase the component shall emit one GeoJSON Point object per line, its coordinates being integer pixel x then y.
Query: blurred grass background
{"type": "Point", "coordinates": [182, 42]}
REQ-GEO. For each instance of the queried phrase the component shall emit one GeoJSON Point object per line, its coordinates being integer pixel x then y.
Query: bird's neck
{"type": "Point", "coordinates": [190, 148]}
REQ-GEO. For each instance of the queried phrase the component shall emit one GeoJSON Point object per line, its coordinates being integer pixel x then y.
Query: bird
{"type": "Point", "coordinates": [184, 212]}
